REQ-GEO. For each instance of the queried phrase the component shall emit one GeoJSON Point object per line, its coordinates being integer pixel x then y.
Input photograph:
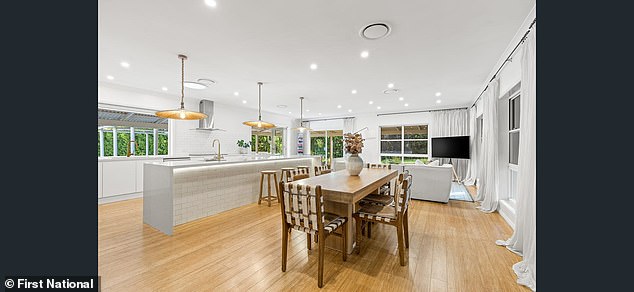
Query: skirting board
{"type": "Point", "coordinates": [507, 212]}
{"type": "Point", "coordinates": [119, 198]}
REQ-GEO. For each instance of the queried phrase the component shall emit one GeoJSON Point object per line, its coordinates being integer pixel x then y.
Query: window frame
{"type": "Point", "coordinates": [512, 167]}
{"type": "Point", "coordinates": [402, 155]}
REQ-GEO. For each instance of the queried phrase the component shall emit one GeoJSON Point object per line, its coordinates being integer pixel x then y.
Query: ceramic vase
{"type": "Point", "coordinates": [354, 164]}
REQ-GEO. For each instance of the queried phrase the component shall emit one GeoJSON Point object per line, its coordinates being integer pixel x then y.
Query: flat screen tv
{"type": "Point", "coordinates": [450, 147]}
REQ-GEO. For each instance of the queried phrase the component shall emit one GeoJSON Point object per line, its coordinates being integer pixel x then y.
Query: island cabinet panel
{"type": "Point", "coordinates": [119, 178]}
{"type": "Point", "coordinates": [139, 173]}
{"type": "Point", "coordinates": [99, 179]}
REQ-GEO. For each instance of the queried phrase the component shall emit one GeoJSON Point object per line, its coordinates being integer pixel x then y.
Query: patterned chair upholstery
{"type": "Point", "coordinates": [382, 195]}
{"type": "Point", "coordinates": [302, 208]}
{"type": "Point", "coordinates": [392, 215]}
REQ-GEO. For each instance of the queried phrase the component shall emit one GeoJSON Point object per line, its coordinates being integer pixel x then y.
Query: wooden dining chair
{"type": "Point", "coordinates": [391, 215]}
{"type": "Point", "coordinates": [380, 196]}
{"type": "Point", "coordinates": [382, 200]}
{"type": "Point", "coordinates": [319, 170]}
{"type": "Point", "coordinates": [302, 209]}
{"type": "Point", "coordinates": [379, 165]}
{"type": "Point", "coordinates": [298, 171]}
{"type": "Point", "coordinates": [300, 176]}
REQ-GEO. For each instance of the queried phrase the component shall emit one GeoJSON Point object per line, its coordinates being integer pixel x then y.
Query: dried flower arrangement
{"type": "Point", "coordinates": [353, 143]}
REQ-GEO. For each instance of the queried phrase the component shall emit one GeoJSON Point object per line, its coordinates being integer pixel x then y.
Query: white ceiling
{"type": "Point", "coordinates": [435, 46]}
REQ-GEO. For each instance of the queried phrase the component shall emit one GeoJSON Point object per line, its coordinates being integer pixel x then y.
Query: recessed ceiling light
{"type": "Point", "coordinates": [438, 93]}
{"type": "Point", "coordinates": [194, 85]}
{"type": "Point", "coordinates": [244, 101]}
{"type": "Point", "coordinates": [378, 107]}
{"type": "Point", "coordinates": [211, 3]}
{"type": "Point", "coordinates": [365, 54]}
{"type": "Point", "coordinates": [125, 64]}
{"type": "Point", "coordinates": [407, 104]}
{"type": "Point", "coordinates": [319, 114]}
{"type": "Point", "coordinates": [370, 102]}
{"type": "Point", "coordinates": [338, 106]}
{"type": "Point", "coordinates": [236, 93]}
{"type": "Point", "coordinates": [390, 85]}
{"type": "Point", "coordinates": [401, 98]}
{"type": "Point", "coordinates": [375, 31]}
{"type": "Point", "coordinates": [438, 101]}
{"type": "Point", "coordinates": [164, 88]}
{"type": "Point", "coordinates": [307, 110]}
{"type": "Point", "coordinates": [282, 106]}
{"type": "Point", "coordinates": [110, 77]}
{"type": "Point", "coordinates": [289, 113]}
{"type": "Point", "coordinates": [349, 110]}
{"type": "Point", "coordinates": [354, 91]}
{"type": "Point", "coordinates": [313, 66]}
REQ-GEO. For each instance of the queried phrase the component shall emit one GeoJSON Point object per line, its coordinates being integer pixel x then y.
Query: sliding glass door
{"type": "Point", "coordinates": [328, 144]}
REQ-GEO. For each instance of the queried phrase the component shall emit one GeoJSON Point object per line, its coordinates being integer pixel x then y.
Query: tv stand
{"type": "Point", "coordinates": [453, 170]}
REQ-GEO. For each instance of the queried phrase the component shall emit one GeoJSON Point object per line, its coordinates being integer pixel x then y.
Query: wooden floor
{"type": "Point", "coordinates": [451, 249]}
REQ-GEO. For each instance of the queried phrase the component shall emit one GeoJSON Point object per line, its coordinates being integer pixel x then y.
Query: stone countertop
{"type": "Point", "coordinates": [229, 160]}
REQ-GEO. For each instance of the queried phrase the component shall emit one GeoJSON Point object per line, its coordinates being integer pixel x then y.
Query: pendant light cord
{"type": "Point", "coordinates": [301, 111]}
{"type": "Point", "coordinates": [259, 101]}
{"type": "Point", "coordinates": [182, 82]}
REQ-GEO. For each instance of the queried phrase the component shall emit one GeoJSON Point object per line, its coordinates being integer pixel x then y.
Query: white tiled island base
{"type": "Point", "coordinates": [182, 191]}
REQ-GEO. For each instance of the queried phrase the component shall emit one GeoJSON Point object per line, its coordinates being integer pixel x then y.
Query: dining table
{"type": "Point", "coordinates": [342, 191]}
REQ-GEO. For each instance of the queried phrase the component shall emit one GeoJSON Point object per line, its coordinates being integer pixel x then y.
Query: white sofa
{"type": "Point", "coordinates": [430, 183]}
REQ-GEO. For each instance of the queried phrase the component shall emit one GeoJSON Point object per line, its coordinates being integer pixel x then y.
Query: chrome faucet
{"type": "Point", "coordinates": [213, 143]}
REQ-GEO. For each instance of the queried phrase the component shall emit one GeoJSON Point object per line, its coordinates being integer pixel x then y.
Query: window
{"type": "Point", "coordinates": [514, 143]}
{"type": "Point", "coordinates": [514, 129]}
{"type": "Point", "coordinates": [404, 144]}
{"type": "Point", "coordinates": [261, 140]}
{"type": "Point", "coordinates": [118, 129]}
{"type": "Point", "coordinates": [327, 143]}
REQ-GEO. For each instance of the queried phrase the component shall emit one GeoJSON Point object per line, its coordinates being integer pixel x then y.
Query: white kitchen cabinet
{"type": "Point", "coordinates": [139, 173]}
{"type": "Point", "coordinates": [99, 179]}
{"type": "Point", "coordinates": [119, 178]}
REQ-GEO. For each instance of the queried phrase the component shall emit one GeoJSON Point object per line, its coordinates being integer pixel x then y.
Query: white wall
{"type": "Point", "coordinates": [182, 139]}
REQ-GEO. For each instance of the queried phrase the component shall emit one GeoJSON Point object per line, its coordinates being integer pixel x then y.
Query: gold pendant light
{"type": "Point", "coordinates": [301, 127]}
{"type": "Point", "coordinates": [259, 124]}
{"type": "Point", "coordinates": [181, 113]}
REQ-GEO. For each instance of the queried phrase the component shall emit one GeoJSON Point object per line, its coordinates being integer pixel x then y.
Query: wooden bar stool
{"type": "Point", "coordinates": [269, 196]}
{"type": "Point", "coordinates": [286, 174]}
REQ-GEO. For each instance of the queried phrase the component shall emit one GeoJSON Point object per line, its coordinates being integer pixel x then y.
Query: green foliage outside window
{"type": "Point", "coordinates": [264, 143]}
{"type": "Point", "coordinates": [108, 143]}
{"type": "Point", "coordinates": [279, 145]}
{"type": "Point", "coordinates": [123, 139]}
{"type": "Point", "coordinates": [162, 144]}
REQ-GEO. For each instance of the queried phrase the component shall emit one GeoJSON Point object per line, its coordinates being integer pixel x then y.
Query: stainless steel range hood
{"type": "Point", "coordinates": [207, 124]}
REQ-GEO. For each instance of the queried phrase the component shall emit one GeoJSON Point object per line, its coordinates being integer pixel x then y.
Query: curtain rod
{"type": "Point", "coordinates": [507, 59]}
{"type": "Point", "coordinates": [327, 119]}
{"type": "Point", "coordinates": [423, 111]}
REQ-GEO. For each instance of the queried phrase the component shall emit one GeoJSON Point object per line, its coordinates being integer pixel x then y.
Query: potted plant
{"type": "Point", "coordinates": [353, 145]}
{"type": "Point", "coordinates": [244, 146]}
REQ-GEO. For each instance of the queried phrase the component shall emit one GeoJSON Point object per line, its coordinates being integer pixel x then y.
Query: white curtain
{"type": "Point", "coordinates": [472, 169]}
{"type": "Point", "coordinates": [451, 123]}
{"type": "Point", "coordinates": [489, 183]}
{"type": "Point", "coordinates": [523, 240]}
{"type": "Point", "coordinates": [348, 125]}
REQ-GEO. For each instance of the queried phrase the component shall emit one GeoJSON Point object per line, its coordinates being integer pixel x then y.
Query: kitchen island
{"type": "Point", "coordinates": [178, 192]}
